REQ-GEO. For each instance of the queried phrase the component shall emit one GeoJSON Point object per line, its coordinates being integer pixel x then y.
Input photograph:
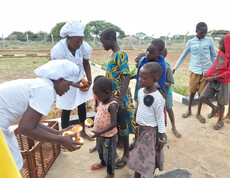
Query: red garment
{"type": "Point", "coordinates": [221, 65]}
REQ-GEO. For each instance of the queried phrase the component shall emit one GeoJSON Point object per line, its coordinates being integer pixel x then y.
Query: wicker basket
{"type": "Point", "coordinates": [37, 157]}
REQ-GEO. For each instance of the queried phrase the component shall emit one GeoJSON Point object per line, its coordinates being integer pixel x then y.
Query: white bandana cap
{"type": "Point", "coordinates": [72, 28]}
{"type": "Point", "coordinates": [56, 69]}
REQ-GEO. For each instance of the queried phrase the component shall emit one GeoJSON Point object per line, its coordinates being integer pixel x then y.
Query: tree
{"type": "Point", "coordinates": [140, 35]}
{"type": "Point", "coordinates": [94, 28]}
{"type": "Point", "coordinates": [56, 29]}
{"type": "Point", "coordinates": [17, 36]}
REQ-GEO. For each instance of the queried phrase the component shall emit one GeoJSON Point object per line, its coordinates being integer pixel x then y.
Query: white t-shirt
{"type": "Point", "coordinates": [153, 115]}
{"type": "Point", "coordinates": [74, 96]}
{"type": "Point", "coordinates": [15, 97]}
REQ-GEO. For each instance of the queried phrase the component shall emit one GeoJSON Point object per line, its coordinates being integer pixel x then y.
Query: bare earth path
{"type": "Point", "coordinates": [202, 151]}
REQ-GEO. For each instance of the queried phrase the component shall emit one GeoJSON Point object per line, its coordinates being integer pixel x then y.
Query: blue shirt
{"type": "Point", "coordinates": [161, 62]}
{"type": "Point", "coordinates": [202, 52]}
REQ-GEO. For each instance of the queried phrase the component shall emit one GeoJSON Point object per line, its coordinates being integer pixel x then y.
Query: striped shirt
{"type": "Point", "coordinates": [153, 115]}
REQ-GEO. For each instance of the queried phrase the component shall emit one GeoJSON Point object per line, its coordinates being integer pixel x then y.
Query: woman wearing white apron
{"type": "Point", "coordinates": [74, 49]}
{"type": "Point", "coordinates": [26, 100]}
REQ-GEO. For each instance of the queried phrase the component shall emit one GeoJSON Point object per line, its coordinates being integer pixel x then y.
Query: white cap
{"type": "Point", "coordinates": [56, 69]}
{"type": "Point", "coordinates": [72, 28]}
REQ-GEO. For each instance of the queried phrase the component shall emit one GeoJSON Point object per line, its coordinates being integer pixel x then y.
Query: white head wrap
{"type": "Point", "coordinates": [56, 69]}
{"type": "Point", "coordinates": [72, 28]}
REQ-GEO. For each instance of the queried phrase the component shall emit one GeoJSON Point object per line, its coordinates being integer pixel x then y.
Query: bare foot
{"type": "Point", "coordinates": [188, 113]}
{"type": "Point", "coordinates": [200, 118]}
{"type": "Point", "coordinates": [227, 119]}
{"type": "Point", "coordinates": [176, 133]}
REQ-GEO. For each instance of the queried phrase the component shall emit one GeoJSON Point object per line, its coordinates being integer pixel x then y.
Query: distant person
{"type": "Point", "coordinates": [105, 126]}
{"type": "Point", "coordinates": [26, 100]}
{"type": "Point", "coordinates": [169, 97]}
{"type": "Point", "coordinates": [203, 54]}
{"type": "Point", "coordinates": [218, 78]}
{"type": "Point", "coordinates": [117, 70]}
{"type": "Point", "coordinates": [74, 49]}
{"type": "Point", "coordinates": [147, 154]}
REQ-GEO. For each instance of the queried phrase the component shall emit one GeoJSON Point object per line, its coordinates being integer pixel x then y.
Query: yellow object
{"type": "Point", "coordinates": [8, 167]}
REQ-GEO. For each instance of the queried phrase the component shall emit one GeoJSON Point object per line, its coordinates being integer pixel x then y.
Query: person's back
{"type": "Point", "coordinates": [16, 95]}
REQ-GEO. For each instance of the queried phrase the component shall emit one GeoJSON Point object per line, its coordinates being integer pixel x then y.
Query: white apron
{"type": "Point", "coordinates": [74, 97]}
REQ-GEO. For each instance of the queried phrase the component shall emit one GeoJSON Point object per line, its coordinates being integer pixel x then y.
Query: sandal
{"type": "Point", "coordinates": [226, 120]}
{"type": "Point", "coordinates": [120, 163]}
{"type": "Point", "coordinates": [201, 118]}
{"type": "Point", "coordinates": [218, 125]}
{"type": "Point", "coordinates": [185, 115]}
{"type": "Point", "coordinates": [97, 166]}
{"type": "Point", "coordinates": [214, 113]}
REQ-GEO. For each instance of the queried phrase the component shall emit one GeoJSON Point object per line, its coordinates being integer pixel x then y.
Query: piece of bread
{"type": "Point", "coordinates": [76, 128]}
{"type": "Point", "coordinates": [89, 122]}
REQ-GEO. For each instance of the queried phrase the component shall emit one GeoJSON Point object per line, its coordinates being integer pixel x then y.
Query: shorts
{"type": "Point", "coordinates": [106, 147]}
{"type": "Point", "coordinates": [169, 101]}
{"type": "Point", "coordinates": [196, 82]}
{"type": "Point", "coordinates": [218, 88]}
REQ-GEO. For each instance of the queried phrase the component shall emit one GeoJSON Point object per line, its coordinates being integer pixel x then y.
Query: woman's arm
{"type": "Point", "coordinates": [87, 69]}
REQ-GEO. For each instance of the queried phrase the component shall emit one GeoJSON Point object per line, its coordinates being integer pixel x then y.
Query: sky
{"type": "Point", "coordinates": [152, 17]}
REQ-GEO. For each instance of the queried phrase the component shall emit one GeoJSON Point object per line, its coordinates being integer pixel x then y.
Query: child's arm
{"type": "Point", "coordinates": [123, 89]}
{"type": "Point", "coordinates": [167, 84]}
{"type": "Point", "coordinates": [113, 108]}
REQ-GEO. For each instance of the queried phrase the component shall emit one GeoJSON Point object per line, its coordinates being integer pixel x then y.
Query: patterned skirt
{"type": "Point", "coordinates": [144, 157]}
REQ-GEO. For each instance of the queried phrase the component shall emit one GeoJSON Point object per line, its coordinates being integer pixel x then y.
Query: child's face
{"type": "Point", "coordinates": [106, 43]}
{"type": "Point", "coordinates": [152, 52]}
{"type": "Point", "coordinates": [221, 45]}
{"type": "Point", "coordinates": [62, 86]}
{"type": "Point", "coordinates": [201, 33]}
{"type": "Point", "coordinates": [145, 78]}
{"type": "Point", "coordinates": [102, 96]}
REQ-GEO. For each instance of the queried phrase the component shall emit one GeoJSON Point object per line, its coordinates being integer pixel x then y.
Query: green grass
{"type": "Point", "coordinates": [19, 67]}
{"type": "Point", "coordinates": [181, 83]}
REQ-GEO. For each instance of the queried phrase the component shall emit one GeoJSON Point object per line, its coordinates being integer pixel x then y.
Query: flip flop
{"type": "Point", "coordinates": [120, 163]}
{"type": "Point", "coordinates": [201, 119]}
{"type": "Point", "coordinates": [218, 125]}
{"type": "Point", "coordinates": [96, 167]}
{"type": "Point", "coordinates": [226, 120]}
{"type": "Point", "coordinates": [187, 114]}
{"type": "Point", "coordinates": [214, 113]}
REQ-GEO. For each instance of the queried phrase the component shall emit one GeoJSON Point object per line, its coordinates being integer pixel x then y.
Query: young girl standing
{"type": "Point", "coordinates": [117, 70]}
{"type": "Point", "coordinates": [147, 154]}
{"type": "Point", "coordinates": [105, 126]}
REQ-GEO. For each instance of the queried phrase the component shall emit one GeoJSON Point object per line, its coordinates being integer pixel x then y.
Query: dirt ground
{"type": "Point", "coordinates": [202, 151]}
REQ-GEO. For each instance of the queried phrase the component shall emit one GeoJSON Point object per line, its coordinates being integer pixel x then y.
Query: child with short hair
{"type": "Point", "coordinates": [203, 54]}
{"type": "Point", "coordinates": [153, 54]}
{"type": "Point", "coordinates": [105, 126]}
{"type": "Point", "coordinates": [218, 78]}
{"type": "Point", "coordinates": [117, 70]}
{"type": "Point", "coordinates": [169, 97]}
{"type": "Point", "coordinates": [147, 154]}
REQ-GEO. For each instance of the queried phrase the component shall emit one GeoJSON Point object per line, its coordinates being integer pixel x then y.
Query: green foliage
{"type": "Point", "coordinates": [140, 35]}
{"type": "Point", "coordinates": [17, 36]}
{"type": "Point", "coordinates": [94, 28]}
{"type": "Point", "coordinates": [56, 29]}
{"type": "Point", "coordinates": [133, 72]}
{"type": "Point", "coordinates": [219, 32]}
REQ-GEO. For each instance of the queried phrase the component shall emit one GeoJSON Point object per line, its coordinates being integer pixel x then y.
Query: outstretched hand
{"type": "Point", "coordinates": [96, 134]}
{"type": "Point", "coordinates": [68, 142]}
{"type": "Point", "coordinates": [159, 145]}
{"type": "Point", "coordinates": [78, 85]}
